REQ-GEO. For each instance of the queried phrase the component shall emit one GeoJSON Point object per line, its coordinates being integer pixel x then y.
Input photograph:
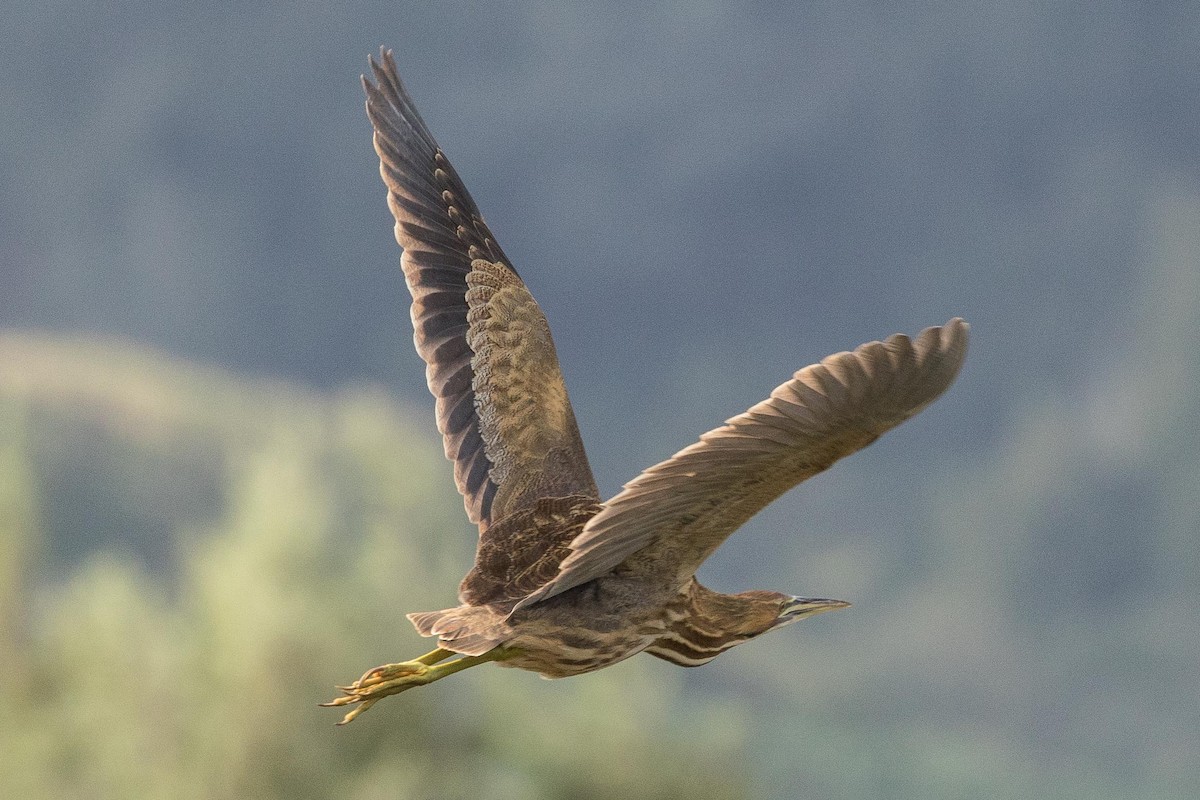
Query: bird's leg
{"type": "Point", "coordinates": [395, 678]}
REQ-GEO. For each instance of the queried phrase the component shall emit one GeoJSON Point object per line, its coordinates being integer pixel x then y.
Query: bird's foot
{"type": "Point", "coordinates": [380, 682]}
{"type": "Point", "coordinates": [388, 679]}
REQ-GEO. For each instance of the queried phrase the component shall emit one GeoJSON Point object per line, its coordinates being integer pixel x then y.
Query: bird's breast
{"type": "Point", "coordinates": [588, 628]}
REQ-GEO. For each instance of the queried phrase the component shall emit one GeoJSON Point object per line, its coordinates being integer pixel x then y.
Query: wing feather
{"type": "Point", "coordinates": [676, 513]}
{"type": "Point", "coordinates": [502, 406]}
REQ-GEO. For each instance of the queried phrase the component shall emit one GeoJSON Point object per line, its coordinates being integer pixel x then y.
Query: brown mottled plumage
{"type": "Point", "coordinates": [564, 583]}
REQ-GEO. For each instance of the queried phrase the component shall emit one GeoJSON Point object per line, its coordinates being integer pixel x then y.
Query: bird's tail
{"type": "Point", "coordinates": [469, 630]}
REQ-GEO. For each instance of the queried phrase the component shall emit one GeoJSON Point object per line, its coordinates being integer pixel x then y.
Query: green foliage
{"type": "Point", "coordinates": [189, 561]}
{"type": "Point", "coordinates": [317, 523]}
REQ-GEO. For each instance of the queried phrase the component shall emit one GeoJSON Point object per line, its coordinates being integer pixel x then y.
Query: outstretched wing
{"type": "Point", "coordinates": [681, 510]}
{"type": "Point", "coordinates": [502, 406]}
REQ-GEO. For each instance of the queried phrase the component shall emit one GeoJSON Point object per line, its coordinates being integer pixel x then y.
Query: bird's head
{"type": "Point", "coordinates": [763, 611]}
{"type": "Point", "coordinates": [792, 608]}
{"type": "Point", "coordinates": [720, 621]}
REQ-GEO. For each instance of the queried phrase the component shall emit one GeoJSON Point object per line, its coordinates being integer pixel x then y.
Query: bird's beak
{"type": "Point", "coordinates": [801, 607]}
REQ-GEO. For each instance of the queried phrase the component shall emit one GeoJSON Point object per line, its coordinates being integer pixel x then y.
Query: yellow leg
{"type": "Point", "coordinates": [390, 679]}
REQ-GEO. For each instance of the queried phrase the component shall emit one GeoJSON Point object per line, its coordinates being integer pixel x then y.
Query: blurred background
{"type": "Point", "coordinates": [220, 485]}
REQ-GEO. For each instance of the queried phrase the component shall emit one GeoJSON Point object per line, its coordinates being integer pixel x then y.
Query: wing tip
{"type": "Point", "coordinates": [952, 340]}
{"type": "Point", "coordinates": [954, 331]}
{"type": "Point", "coordinates": [386, 60]}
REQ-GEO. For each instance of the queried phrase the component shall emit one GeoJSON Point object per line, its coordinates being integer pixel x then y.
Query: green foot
{"type": "Point", "coordinates": [391, 679]}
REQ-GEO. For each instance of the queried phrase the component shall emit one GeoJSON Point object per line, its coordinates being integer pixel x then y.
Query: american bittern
{"type": "Point", "coordinates": [564, 583]}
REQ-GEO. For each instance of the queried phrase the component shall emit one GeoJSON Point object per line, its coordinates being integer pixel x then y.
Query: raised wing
{"type": "Point", "coordinates": [502, 406]}
{"type": "Point", "coordinates": [679, 511]}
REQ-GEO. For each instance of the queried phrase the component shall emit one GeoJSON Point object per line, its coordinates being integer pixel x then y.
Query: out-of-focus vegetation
{"type": "Point", "coordinates": [189, 561]}
{"type": "Point", "coordinates": [702, 201]}
{"type": "Point", "coordinates": [291, 533]}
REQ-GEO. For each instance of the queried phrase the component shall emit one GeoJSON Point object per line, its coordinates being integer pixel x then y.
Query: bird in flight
{"type": "Point", "coordinates": [565, 582]}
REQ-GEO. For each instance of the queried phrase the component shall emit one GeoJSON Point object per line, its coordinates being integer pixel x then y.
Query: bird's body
{"type": "Point", "coordinates": [581, 630]}
{"type": "Point", "coordinates": [563, 582]}
{"type": "Point", "coordinates": [605, 620]}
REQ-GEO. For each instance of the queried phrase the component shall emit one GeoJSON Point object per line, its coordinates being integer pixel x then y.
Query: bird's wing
{"type": "Point", "coordinates": [502, 406]}
{"type": "Point", "coordinates": [687, 505]}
